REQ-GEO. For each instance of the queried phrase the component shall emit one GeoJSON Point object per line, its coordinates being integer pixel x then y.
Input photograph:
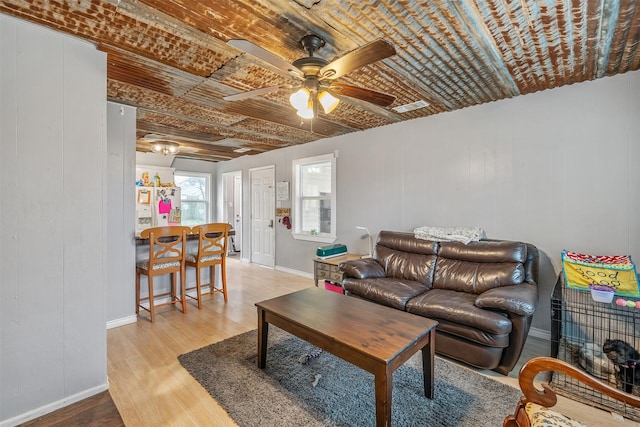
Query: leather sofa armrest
{"type": "Point", "coordinates": [518, 299]}
{"type": "Point", "coordinates": [367, 268]}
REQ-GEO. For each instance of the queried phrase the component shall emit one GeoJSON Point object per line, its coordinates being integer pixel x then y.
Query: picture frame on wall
{"type": "Point", "coordinates": [144, 196]}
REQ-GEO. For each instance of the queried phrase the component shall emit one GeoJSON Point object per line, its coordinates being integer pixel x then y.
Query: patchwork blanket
{"type": "Point", "coordinates": [616, 271]}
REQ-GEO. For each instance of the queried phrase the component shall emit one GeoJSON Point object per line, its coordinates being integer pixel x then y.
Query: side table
{"type": "Point", "coordinates": [327, 269]}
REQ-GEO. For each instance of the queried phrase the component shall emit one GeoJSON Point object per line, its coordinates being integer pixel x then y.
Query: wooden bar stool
{"type": "Point", "coordinates": [212, 251]}
{"type": "Point", "coordinates": [167, 249]}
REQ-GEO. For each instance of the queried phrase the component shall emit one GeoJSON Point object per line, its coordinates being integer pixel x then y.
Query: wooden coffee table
{"type": "Point", "coordinates": [373, 337]}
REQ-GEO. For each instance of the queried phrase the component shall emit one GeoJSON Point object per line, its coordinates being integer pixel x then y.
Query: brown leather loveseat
{"type": "Point", "coordinates": [483, 294]}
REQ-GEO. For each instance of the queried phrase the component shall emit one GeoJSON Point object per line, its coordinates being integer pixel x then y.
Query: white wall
{"type": "Point", "coordinates": [121, 249]}
{"type": "Point", "coordinates": [52, 220]}
{"type": "Point", "coordinates": [556, 168]}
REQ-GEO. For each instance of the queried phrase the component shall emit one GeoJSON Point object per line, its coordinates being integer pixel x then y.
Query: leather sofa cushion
{"type": "Point", "coordinates": [404, 257]}
{"type": "Point", "coordinates": [365, 268]}
{"type": "Point", "coordinates": [458, 308]}
{"type": "Point", "coordinates": [519, 299]}
{"type": "Point", "coordinates": [475, 277]}
{"type": "Point", "coordinates": [386, 291]}
{"type": "Point", "coordinates": [485, 251]}
{"type": "Point", "coordinates": [406, 242]}
{"type": "Point", "coordinates": [479, 266]}
{"type": "Point", "coordinates": [406, 265]}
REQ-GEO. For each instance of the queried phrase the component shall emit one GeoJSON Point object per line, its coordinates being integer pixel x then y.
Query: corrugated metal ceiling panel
{"type": "Point", "coordinates": [170, 58]}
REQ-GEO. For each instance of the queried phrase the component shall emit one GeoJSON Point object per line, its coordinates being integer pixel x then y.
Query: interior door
{"type": "Point", "coordinates": [263, 216]}
{"type": "Point", "coordinates": [237, 209]}
{"type": "Point", "coordinates": [232, 211]}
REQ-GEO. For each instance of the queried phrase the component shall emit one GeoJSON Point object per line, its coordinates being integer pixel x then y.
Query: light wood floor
{"type": "Point", "coordinates": [150, 388]}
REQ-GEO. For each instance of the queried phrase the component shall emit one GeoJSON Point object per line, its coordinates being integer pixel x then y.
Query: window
{"type": "Point", "coordinates": [314, 198]}
{"type": "Point", "coordinates": [195, 195]}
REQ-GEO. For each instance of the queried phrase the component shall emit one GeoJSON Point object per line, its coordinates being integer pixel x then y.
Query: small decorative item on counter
{"type": "Point", "coordinates": [157, 180]}
{"type": "Point", "coordinates": [145, 179]}
{"type": "Point", "coordinates": [602, 293]}
{"type": "Point", "coordinates": [627, 303]}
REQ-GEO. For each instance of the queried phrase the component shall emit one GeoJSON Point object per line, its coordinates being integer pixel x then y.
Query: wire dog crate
{"type": "Point", "coordinates": [579, 328]}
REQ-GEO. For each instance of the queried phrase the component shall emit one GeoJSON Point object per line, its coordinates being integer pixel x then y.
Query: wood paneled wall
{"type": "Point", "coordinates": [53, 222]}
{"type": "Point", "coordinates": [121, 251]}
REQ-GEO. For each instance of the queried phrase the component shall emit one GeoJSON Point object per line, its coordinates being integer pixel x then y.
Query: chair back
{"type": "Point", "coordinates": [546, 398]}
{"type": "Point", "coordinates": [212, 241]}
{"type": "Point", "coordinates": [167, 246]}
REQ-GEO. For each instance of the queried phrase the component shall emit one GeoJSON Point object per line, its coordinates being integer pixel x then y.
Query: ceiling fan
{"type": "Point", "coordinates": [317, 76]}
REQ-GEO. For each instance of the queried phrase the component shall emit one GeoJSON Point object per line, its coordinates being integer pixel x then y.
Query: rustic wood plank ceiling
{"type": "Point", "coordinates": [170, 58]}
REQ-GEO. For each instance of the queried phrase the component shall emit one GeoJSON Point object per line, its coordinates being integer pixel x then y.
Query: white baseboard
{"type": "Point", "coordinates": [294, 272]}
{"type": "Point", "coordinates": [134, 317]}
{"type": "Point", "coordinates": [46, 409]}
{"type": "Point", "coordinates": [540, 333]}
{"type": "Point", "coordinates": [122, 321]}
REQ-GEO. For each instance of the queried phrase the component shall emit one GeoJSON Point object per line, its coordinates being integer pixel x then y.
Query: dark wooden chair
{"type": "Point", "coordinates": [212, 251]}
{"type": "Point", "coordinates": [167, 251]}
{"type": "Point", "coordinates": [546, 398]}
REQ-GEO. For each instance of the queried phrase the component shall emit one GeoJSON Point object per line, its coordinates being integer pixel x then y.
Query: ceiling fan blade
{"type": "Point", "coordinates": [252, 93]}
{"type": "Point", "coordinates": [364, 55]}
{"type": "Point", "coordinates": [265, 55]}
{"type": "Point", "coordinates": [378, 98]}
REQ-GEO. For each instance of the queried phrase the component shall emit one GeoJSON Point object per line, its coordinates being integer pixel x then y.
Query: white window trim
{"type": "Point", "coordinates": [209, 178]}
{"type": "Point", "coordinates": [297, 194]}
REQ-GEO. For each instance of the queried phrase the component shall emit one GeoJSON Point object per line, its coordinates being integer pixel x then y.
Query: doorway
{"type": "Point", "coordinates": [263, 215]}
{"type": "Point", "coordinates": [232, 211]}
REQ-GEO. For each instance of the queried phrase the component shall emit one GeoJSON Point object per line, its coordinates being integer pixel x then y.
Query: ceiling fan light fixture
{"type": "Point", "coordinates": [300, 99]}
{"type": "Point", "coordinates": [165, 148]}
{"type": "Point", "coordinates": [328, 101]}
{"type": "Point", "coordinates": [306, 112]}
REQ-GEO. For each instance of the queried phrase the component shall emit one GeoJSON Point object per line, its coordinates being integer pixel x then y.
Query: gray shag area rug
{"type": "Point", "coordinates": [327, 391]}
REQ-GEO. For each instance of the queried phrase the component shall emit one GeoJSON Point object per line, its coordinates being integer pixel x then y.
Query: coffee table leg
{"type": "Point", "coordinates": [384, 388]}
{"type": "Point", "coordinates": [263, 331]}
{"type": "Point", "coordinates": [428, 364]}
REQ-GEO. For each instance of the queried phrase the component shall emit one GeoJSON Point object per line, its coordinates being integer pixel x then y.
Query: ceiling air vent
{"type": "Point", "coordinates": [241, 150]}
{"type": "Point", "coordinates": [410, 107]}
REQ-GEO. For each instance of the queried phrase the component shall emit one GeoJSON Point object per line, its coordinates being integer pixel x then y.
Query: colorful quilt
{"type": "Point", "coordinates": [617, 271]}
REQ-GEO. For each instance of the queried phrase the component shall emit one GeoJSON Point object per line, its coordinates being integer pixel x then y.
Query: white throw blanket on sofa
{"type": "Point", "coordinates": [450, 234]}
